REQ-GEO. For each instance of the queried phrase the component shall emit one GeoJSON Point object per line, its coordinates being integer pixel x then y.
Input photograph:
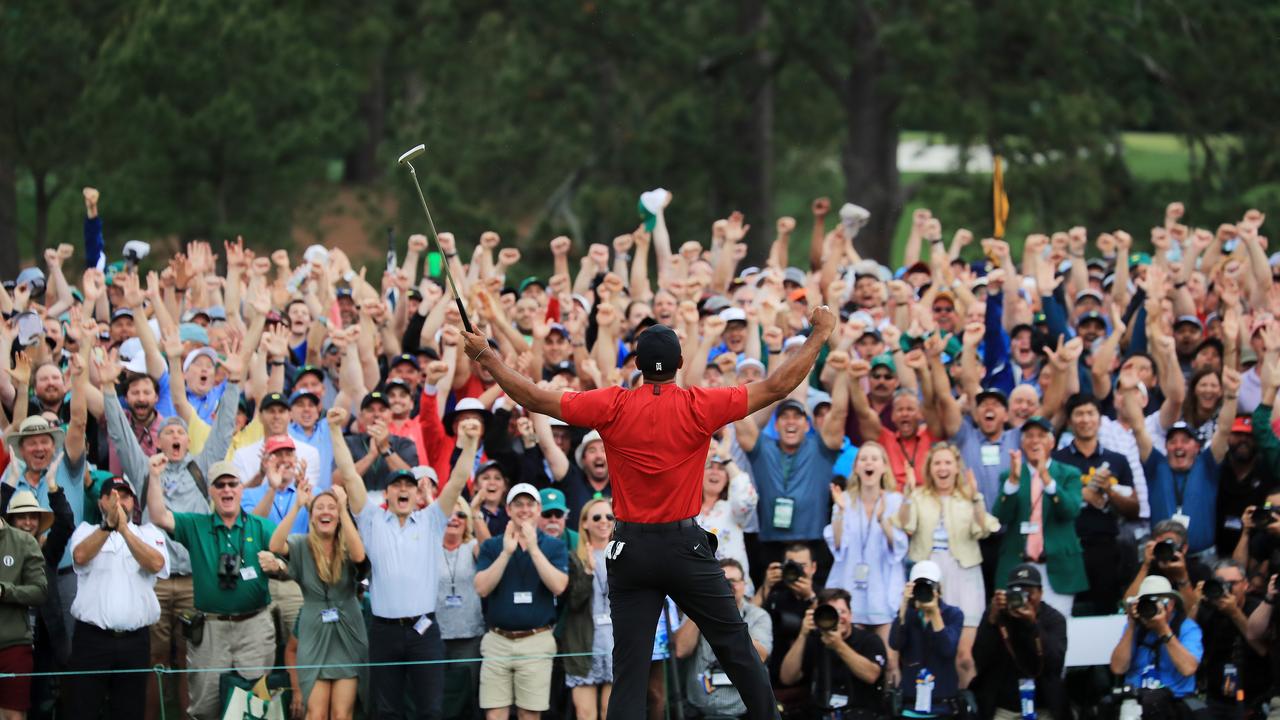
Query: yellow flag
{"type": "Point", "coordinates": [999, 200]}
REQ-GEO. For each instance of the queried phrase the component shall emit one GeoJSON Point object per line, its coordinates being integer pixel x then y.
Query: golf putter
{"type": "Point", "coordinates": [407, 160]}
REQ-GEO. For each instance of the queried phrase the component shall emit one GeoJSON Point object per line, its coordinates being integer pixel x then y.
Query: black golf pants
{"type": "Point", "coordinates": [648, 563]}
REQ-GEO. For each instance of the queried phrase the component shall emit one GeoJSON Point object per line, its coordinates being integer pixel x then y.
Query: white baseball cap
{"type": "Point", "coordinates": [926, 570]}
{"type": "Point", "coordinates": [523, 489]}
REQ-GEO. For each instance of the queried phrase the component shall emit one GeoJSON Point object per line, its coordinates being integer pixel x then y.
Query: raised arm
{"type": "Point", "coordinates": [344, 472]}
{"type": "Point", "coordinates": [1227, 415]}
{"type": "Point", "coordinates": [516, 386]}
{"type": "Point", "coordinates": [796, 368]}
{"type": "Point", "coordinates": [834, 422]}
{"type": "Point", "coordinates": [869, 425]}
{"type": "Point", "coordinates": [161, 517]}
{"type": "Point", "coordinates": [555, 457]}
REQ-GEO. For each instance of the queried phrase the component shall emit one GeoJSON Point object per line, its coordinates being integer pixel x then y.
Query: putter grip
{"type": "Point", "coordinates": [466, 321]}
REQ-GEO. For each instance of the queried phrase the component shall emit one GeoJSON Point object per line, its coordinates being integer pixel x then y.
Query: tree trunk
{"type": "Point", "coordinates": [362, 165]}
{"type": "Point", "coordinates": [869, 156]}
{"type": "Point", "coordinates": [754, 131]}
{"type": "Point", "coordinates": [43, 200]}
{"type": "Point", "coordinates": [8, 220]}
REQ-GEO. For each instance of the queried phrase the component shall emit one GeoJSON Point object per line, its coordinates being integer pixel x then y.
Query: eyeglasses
{"type": "Point", "coordinates": [551, 514]}
{"type": "Point", "coordinates": [461, 515]}
{"type": "Point", "coordinates": [736, 581]}
{"type": "Point", "coordinates": [943, 309]}
{"type": "Point", "coordinates": [221, 484]}
{"type": "Point", "coordinates": [598, 518]}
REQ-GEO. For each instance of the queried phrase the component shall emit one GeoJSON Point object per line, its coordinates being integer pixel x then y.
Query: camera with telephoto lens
{"type": "Point", "coordinates": [923, 592]}
{"type": "Point", "coordinates": [1015, 597]}
{"type": "Point", "coordinates": [1165, 551]}
{"type": "Point", "coordinates": [1214, 589]}
{"type": "Point", "coordinates": [135, 251]}
{"type": "Point", "coordinates": [792, 571]}
{"type": "Point", "coordinates": [228, 570]}
{"type": "Point", "coordinates": [826, 618]}
{"type": "Point", "coordinates": [1148, 607]}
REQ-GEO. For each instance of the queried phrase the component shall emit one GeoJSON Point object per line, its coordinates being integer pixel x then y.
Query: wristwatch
{"type": "Point", "coordinates": [1164, 639]}
{"type": "Point", "coordinates": [106, 528]}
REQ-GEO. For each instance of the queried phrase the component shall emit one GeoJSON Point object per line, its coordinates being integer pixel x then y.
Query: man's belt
{"type": "Point", "coordinates": [654, 527]}
{"type": "Point", "coordinates": [519, 634]}
{"type": "Point", "coordinates": [239, 618]}
{"type": "Point", "coordinates": [404, 621]}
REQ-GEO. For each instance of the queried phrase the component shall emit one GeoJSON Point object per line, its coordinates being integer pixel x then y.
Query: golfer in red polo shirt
{"type": "Point", "coordinates": [656, 437]}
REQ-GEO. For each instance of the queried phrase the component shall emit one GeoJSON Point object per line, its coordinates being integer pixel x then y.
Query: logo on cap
{"type": "Point", "coordinates": [657, 367]}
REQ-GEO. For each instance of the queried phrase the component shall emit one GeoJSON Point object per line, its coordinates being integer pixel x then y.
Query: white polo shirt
{"type": "Point", "coordinates": [114, 592]}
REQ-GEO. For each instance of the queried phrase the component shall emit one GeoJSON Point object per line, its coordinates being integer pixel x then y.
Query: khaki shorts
{"type": "Point", "coordinates": [525, 683]}
{"type": "Point", "coordinates": [286, 603]}
{"type": "Point", "coordinates": [175, 595]}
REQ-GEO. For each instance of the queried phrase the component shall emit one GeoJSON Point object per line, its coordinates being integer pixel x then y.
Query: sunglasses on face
{"type": "Point", "coordinates": [598, 518]}
{"type": "Point", "coordinates": [553, 514]}
{"type": "Point", "coordinates": [222, 484]}
{"type": "Point", "coordinates": [461, 515]}
{"type": "Point", "coordinates": [943, 309]}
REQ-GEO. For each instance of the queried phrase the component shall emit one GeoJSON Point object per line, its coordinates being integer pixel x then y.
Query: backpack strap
{"type": "Point", "coordinates": [198, 477]}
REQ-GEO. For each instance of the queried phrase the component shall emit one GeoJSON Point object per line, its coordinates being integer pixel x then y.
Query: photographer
{"type": "Point", "coordinates": [786, 594]}
{"type": "Point", "coordinates": [1160, 650]}
{"type": "Point", "coordinates": [1231, 662]}
{"type": "Point", "coordinates": [708, 688]}
{"type": "Point", "coordinates": [1020, 652]}
{"type": "Point", "coordinates": [1260, 538]}
{"type": "Point", "coordinates": [841, 663]}
{"type": "Point", "coordinates": [926, 634]}
{"type": "Point", "coordinates": [1165, 555]}
{"type": "Point", "coordinates": [1262, 629]}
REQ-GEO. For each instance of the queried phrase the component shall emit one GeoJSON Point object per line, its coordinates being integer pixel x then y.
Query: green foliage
{"type": "Point", "coordinates": [206, 119]}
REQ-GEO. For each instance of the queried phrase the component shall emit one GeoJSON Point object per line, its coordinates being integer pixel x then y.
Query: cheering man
{"type": "Point", "coordinates": [656, 438]}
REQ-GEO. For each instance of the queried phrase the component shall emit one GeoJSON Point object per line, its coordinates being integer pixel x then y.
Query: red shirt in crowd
{"type": "Point", "coordinates": [656, 442]}
{"type": "Point", "coordinates": [903, 452]}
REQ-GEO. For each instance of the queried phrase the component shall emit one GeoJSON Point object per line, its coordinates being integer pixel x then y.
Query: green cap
{"type": "Point", "coordinates": [112, 269]}
{"type": "Point", "coordinates": [1140, 259]}
{"type": "Point", "coordinates": [553, 499]}
{"type": "Point", "coordinates": [531, 280]}
{"type": "Point", "coordinates": [883, 360]}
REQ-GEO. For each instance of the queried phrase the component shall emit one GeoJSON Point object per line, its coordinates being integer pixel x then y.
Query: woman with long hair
{"type": "Point", "coordinates": [867, 548]}
{"type": "Point", "coordinates": [587, 623]}
{"type": "Point", "coordinates": [1204, 400]}
{"type": "Point", "coordinates": [728, 503]}
{"type": "Point", "coordinates": [946, 518]}
{"type": "Point", "coordinates": [326, 563]}
{"type": "Point", "coordinates": [459, 613]}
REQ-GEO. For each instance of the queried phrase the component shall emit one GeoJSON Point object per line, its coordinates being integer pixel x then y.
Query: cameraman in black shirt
{"type": "Point", "coordinates": [1230, 662]}
{"type": "Point", "coordinates": [842, 664]}
{"type": "Point", "coordinates": [787, 593]}
{"type": "Point", "coordinates": [1166, 556]}
{"type": "Point", "coordinates": [1020, 652]}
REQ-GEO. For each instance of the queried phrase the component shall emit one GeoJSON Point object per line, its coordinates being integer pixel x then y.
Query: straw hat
{"type": "Point", "coordinates": [24, 501]}
{"type": "Point", "coordinates": [31, 427]}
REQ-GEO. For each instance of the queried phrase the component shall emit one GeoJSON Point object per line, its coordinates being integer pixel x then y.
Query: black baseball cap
{"type": "Point", "coordinates": [374, 397]}
{"type": "Point", "coordinates": [658, 351]}
{"type": "Point", "coordinates": [1025, 575]}
{"type": "Point", "coordinates": [564, 366]}
{"type": "Point", "coordinates": [404, 358]}
{"type": "Point", "coordinates": [992, 392]}
{"type": "Point", "coordinates": [119, 482]}
{"type": "Point", "coordinates": [792, 404]}
{"type": "Point", "coordinates": [273, 399]}
{"type": "Point", "coordinates": [308, 369]}
{"type": "Point", "coordinates": [398, 383]}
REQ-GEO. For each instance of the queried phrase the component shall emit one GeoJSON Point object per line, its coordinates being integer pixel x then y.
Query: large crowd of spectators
{"type": "Point", "coordinates": [246, 459]}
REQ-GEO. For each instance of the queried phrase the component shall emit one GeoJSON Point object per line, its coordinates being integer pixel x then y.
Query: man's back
{"type": "Point", "coordinates": [656, 438]}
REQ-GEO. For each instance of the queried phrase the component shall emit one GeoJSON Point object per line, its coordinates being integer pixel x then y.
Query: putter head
{"type": "Point", "coordinates": [411, 154]}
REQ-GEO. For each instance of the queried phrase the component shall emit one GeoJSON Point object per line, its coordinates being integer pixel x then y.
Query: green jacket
{"type": "Point", "coordinates": [577, 630]}
{"type": "Point", "coordinates": [23, 584]}
{"type": "Point", "coordinates": [1265, 437]}
{"type": "Point", "coordinates": [1063, 556]}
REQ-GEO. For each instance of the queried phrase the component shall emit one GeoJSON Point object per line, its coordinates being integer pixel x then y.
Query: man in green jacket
{"type": "Point", "coordinates": [1038, 505]}
{"type": "Point", "coordinates": [23, 585]}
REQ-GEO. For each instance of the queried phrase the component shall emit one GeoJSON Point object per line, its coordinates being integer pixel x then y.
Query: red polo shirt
{"type": "Point", "coordinates": [656, 443]}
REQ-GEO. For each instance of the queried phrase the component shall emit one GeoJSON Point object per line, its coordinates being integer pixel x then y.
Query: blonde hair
{"type": "Point", "coordinates": [961, 485]}
{"type": "Point", "coordinates": [328, 564]}
{"type": "Point", "coordinates": [887, 482]}
{"type": "Point", "coordinates": [584, 542]}
{"type": "Point", "coordinates": [468, 525]}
